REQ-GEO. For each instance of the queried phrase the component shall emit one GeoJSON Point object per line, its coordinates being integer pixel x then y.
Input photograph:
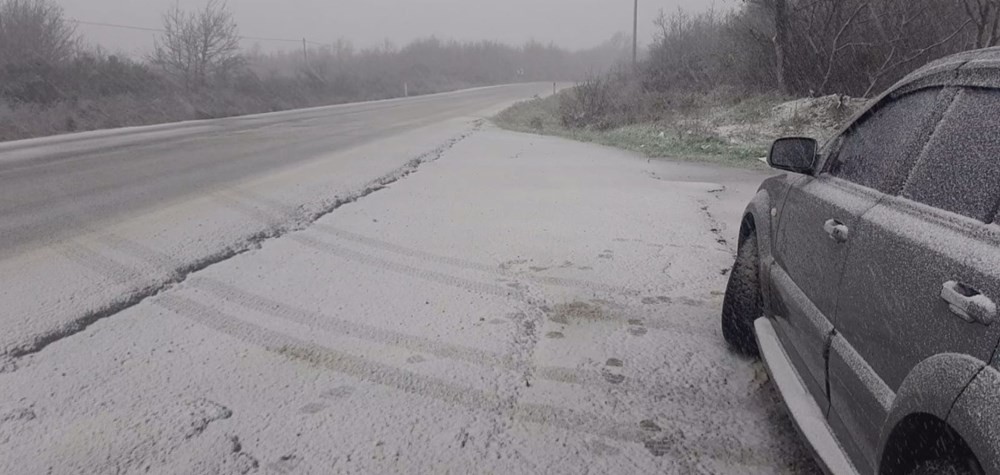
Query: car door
{"type": "Point", "coordinates": [920, 265]}
{"type": "Point", "coordinates": [814, 228]}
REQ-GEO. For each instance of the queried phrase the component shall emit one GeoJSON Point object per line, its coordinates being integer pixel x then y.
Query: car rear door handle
{"type": "Point", "coordinates": [968, 303]}
{"type": "Point", "coordinates": [837, 230]}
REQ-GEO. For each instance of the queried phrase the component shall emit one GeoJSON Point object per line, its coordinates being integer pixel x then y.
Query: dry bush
{"type": "Point", "coordinates": [606, 102]}
{"type": "Point", "coordinates": [795, 48]}
{"type": "Point", "coordinates": [34, 41]}
{"type": "Point", "coordinates": [34, 31]}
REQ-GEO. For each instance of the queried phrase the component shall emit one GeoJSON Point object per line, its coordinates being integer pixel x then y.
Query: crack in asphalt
{"type": "Point", "coordinates": [717, 228]}
{"type": "Point", "coordinates": [8, 360]}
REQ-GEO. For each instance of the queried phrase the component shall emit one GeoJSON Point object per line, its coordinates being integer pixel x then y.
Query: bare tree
{"type": "Point", "coordinates": [34, 32]}
{"type": "Point", "coordinates": [985, 15]}
{"type": "Point", "coordinates": [781, 17]}
{"type": "Point", "coordinates": [683, 51]}
{"type": "Point", "coordinates": [907, 31]}
{"type": "Point", "coordinates": [199, 46]}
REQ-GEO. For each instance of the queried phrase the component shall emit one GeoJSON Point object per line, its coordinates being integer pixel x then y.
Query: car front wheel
{"type": "Point", "coordinates": [743, 303]}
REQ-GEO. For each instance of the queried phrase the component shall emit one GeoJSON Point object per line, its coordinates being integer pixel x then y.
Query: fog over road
{"type": "Point", "coordinates": [375, 288]}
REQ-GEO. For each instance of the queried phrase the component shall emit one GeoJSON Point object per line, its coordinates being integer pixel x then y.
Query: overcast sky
{"type": "Point", "coordinates": [569, 23]}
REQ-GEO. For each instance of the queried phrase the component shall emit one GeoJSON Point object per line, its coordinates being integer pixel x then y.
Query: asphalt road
{"type": "Point", "coordinates": [46, 187]}
{"type": "Point", "coordinates": [421, 293]}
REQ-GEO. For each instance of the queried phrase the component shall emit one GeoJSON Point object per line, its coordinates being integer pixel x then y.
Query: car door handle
{"type": "Point", "coordinates": [968, 303]}
{"type": "Point", "coordinates": [837, 230]}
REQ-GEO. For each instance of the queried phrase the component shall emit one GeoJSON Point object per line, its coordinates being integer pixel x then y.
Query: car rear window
{"type": "Point", "coordinates": [959, 170]}
{"type": "Point", "coordinates": [879, 150]}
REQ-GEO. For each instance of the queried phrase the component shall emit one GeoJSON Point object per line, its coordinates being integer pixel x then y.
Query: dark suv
{"type": "Point", "coordinates": [866, 278]}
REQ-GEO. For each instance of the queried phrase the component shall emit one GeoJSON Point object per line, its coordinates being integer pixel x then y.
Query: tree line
{"type": "Point", "coordinates": [814, 47]}
{"type": "Point", "coordinates": [780, 49]}
{"type": "Point", "coordinates": [51, 82]}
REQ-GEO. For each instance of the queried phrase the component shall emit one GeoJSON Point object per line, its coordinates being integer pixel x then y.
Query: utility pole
{"type": "Point", "coordinates": [305, 52]}
{"type": "Point", "coordinates": [635, 34]}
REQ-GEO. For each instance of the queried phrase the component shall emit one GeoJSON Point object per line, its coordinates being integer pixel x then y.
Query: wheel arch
{"type": "Point", "coordinates": [757, 218]}
{"type": "Point", "coordinates": [976, 417]}
{"type": "Point", "coordinates": [757, 221]}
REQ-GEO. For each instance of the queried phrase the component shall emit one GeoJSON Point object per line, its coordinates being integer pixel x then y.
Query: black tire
{"type": "Point", "coordinates": [743, 302]}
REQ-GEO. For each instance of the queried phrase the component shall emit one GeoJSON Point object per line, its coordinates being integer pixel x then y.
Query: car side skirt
{"type": "Point", "coordinates": [806, 414]}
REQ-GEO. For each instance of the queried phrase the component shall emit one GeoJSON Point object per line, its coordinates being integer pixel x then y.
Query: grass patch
{"type": "Point", "coordinates": [680, 140]}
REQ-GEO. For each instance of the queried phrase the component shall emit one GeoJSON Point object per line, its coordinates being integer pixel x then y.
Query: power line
{"type": "Point", "coordinates": [161, 30]}
{"type": "Point", "coordinates": [126, 27]}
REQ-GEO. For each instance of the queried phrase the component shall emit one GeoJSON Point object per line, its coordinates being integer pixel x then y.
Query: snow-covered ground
{"type": "Point", "coordinates": [506, 304]}
{"type": "Point", "coordinates": [92, 223]}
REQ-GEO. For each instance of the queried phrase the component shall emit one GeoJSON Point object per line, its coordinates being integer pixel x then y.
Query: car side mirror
{"type": "Point", "coordinates": [794, 154]}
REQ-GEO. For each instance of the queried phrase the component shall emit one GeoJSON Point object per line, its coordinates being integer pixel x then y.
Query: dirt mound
{"type": "Point", "coordinates": [817, 117]}
{"type": "Point", "coordinates": [826, 113]}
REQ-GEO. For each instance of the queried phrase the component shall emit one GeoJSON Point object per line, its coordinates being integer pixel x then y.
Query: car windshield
{"type": "Point", "coordinates": [521, 236]}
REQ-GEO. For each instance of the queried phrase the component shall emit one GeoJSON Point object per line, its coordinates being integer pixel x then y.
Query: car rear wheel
{"type": "Point", "coordinates": [743, 303]}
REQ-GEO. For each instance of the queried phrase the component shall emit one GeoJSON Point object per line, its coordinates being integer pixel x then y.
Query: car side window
{"type": "Point", "coordinates": [959, 170]}
{"type": "Point", "coordinates": [879, 150]}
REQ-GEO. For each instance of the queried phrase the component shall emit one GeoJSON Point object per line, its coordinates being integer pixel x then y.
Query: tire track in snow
{"type": "Point", "coordinates": [510, 362]}
{"type": "Point", "coordinates": [719, 446]}
{"type": "Point", "coordinates": [408, 270]}
{"type": "Point", "coordinates": [279, 210]}
{"type": "Point", "coordinates": [404, 251]}
{"type": "Point", "coordinates": [374, 261]}
{"type": "Point", "coordinates": [103, 266]}
{"type": "Point", "coordinates": [274, 308]}
{"type": "Point", "coordinates": [113, 271]}
{"type": "Point", "coordinates": [115, 243]}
